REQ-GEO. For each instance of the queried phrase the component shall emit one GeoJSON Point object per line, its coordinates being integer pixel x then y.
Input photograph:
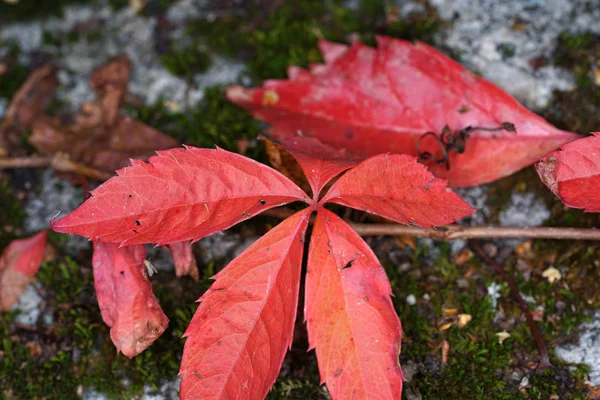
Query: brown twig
{"type": "Point", "coordinates": [539, 340]}
{"type": "Point", "coordinates": [58, 161]}
{"type": "Point", "coordinates": [453, 232]}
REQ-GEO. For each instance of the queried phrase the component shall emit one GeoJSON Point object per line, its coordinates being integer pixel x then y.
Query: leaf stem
{"type": "Point", "coordinates": [454, 232]}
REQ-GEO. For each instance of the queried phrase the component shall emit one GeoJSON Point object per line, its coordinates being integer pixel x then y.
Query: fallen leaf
{"type": "Point", "coordinates": [19, 263]}
{"type": "Point", "coordinates": [285, 163]}
{"type": "Point", "coordinates": [125, 297]}
{"type": "Point", "coordinates": [184, 260]}
{"type": "Point", "coordinates": [464, 319]}
{"type": "Point", "coordinates": [446, 326]}
{"type": "Point", "coordinates": [573, 173]}
{"type": "Point", "coordinates": [370, 101]}
{"type": "Point", "coordinates": [100, 137]}
{"type": "Point", "coordinates": [552, 274]}
{"type": "Point", "coordinates": [25, 107]}
{"type": "Point", "coordinates": [502, 336]}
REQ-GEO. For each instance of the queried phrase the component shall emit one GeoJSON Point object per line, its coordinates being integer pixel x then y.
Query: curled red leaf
{"type": "Point", "coordinates": [573, 173]}
{"type": "Point", "coordinates": [19, 263]}
{"type": "Point", "coordinates": [125, 297]}
{"type": "Point", "coordinates": [184, 260]}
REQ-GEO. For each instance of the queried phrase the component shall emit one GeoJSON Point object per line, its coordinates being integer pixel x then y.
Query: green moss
{"type": "Point", "coordinates": [12, 215]}
{"type": "Point", "coordinates": [14, 77]}
{"type": "Point", "coordinates": [76, 348]}
{"type": "Point", "coordinates": [186, 63]}
{"type": "Point", "coordinates": [214, 122]}
{"type": "Point", "coordinates": [289, 34]}
{"type": "Point", "coordinates": [25, 10]}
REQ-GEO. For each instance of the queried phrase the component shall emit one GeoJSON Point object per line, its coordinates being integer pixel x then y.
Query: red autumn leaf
{"type": "Point", "coordinates": [241, 331]}
{"type": "Point", "coordinates": [19, 263]}
{"type": "Point", "coordinates": [125, 297]}
{"type": "Point", "coordinates": [181, 194]}
{"type": "Point", "coordinates": [349, 314]}
{"type": "Point", "coordinates": [573, 173]}
{"type": "Point", "coordinates": [371, 101]}
{"type": "Point", "coordinates": [238, 337]}
{"type": "Point", "coordinates": [184, 260]}
{"type": "Point", "coordinates": [397, 187]}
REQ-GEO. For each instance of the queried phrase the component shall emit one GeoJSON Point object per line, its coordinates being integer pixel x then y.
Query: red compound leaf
{"type": "Point", "coordinates": [573, 173]}
{"type": "Point", "coordinates": [370, 101]}
{"type": "Point", "coordinates": [239, 335]}
{"type": "Point", "coordinates": [349, 314]}
{"type": "Point", "coordinates": [125, 297]}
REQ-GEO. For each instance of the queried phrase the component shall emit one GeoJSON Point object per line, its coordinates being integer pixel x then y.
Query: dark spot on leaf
{"type": "Point", "coordinates": [463, 109]}
{"type": "Point", "coordinates": [137, 222]}
{"type": "Point", "coordinates": [130, 196]}
{"type": "Point", "coordinates": [197, 374]}
{"type": "Point", "coordinates": [426, 187]}
{"type": "Point", "coordinates": [263, 202]}
{"type": "Point", "coordinates": [366, 298]}
{"type": "Point", "coordinates": [218, 342]}
{"type": "Point", "coordinates": [348, 134]}
{"type": "Point", "coordinates": [122, 272]}
{"type": "Point", "coordinates": [348, 264]}
{"type": "Point", "coordinates": [134, 231]}
{"type": "Point", "coordinates": [338, 372]}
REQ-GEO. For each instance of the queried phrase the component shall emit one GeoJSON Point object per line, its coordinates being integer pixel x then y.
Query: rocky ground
{"type": "Point", "coordinates": [545, 53]}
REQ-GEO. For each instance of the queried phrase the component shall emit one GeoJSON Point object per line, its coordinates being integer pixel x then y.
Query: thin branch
{"type": "Point", "coordinates": [453, 232]}
{"type": "Point", "coordinates": [58, 161]}
{"type": "Point", "coordinates": [539, 340]}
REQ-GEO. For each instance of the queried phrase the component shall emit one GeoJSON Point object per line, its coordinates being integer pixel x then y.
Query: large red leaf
{"type": "Point", "coordinates": [181, 194]}
{"type": "Point", "coordinates": [19, 263]}
{"type": "Point", "coordinates": [573, 173]}
{"type": "Point", "coordinates": [184, 260]}
{"type": "Point", "coordinates": [125, 297]}
{"type": "Point", "coordinates": [350, 317]}
{"type": "Point", "coordinates": [239, 335]}
{"type": "Point", "coordinates": [371, 101]}
{"type": "Point", "coordinates": [397, 187]}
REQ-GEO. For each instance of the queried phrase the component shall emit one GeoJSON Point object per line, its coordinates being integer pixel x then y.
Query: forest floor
{"type": "Point", "coordinates": [54, 345]}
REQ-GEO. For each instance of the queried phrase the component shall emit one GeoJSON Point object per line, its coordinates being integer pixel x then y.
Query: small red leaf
{"type": "Point", "coordinates": [350, 317]}
{"type": "Point", "coordinates": [125, 297]}
{"type": "Point", "coordinates": [19, 263]}
{"type": "Point", "coordinates": [573, 173]}
{"type": "Point", "coordinates": [371, 101]}
{"type": "Point", "coordinates": [184, 260]}
{"type": "Point", "coordinates": [397, 187]}
{"type": "Point", "coordinates": [181, 194]}
{"type": "Point", "coordinates": [239, 335]}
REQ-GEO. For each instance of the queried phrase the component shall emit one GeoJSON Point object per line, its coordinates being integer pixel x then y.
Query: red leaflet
{"type": "Point", "coordinates": [371, 101]}
{"type": "Point", "coordinates": [239, 335]}
{"type": "Point", "coordinates": [181, 194]}
{"type": "Point", "coordinates": [573, 173]}
{"type": "Point", "coordinates": [184, 260]}
{"type": "Point", "coordinates": [349, 314]}
{"type": "Point", "coordinates": [396, 187]}
{"type": "Point", "coordinates": [125, 297]}
{"type": "Point", "coordinates": [19, 263]}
